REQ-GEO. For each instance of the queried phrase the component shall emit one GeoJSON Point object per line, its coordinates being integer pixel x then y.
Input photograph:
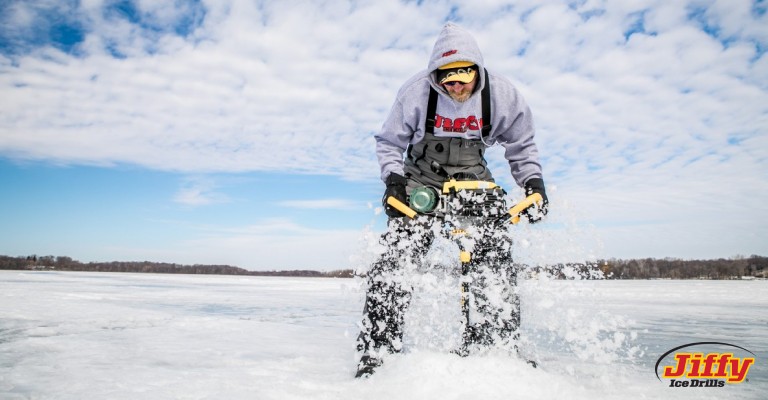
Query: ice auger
{"type": "Point", "coordinates": [463, 205]}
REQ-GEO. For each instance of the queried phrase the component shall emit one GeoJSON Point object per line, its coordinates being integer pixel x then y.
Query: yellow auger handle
{"type": "Point", "coordinates": [402, 207]}
{"type": "Point", "coordinates": [521, 206]}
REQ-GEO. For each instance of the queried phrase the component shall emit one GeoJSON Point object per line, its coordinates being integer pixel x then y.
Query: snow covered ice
{"type": "Point", "coordinates": [146, 336]}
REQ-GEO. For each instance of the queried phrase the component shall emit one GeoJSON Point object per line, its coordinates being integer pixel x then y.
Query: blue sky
{"type": "Point", "coordinates": [240, 132]}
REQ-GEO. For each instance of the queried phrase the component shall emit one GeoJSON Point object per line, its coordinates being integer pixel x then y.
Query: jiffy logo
{"type": "Point", "coordinates": [710, 369]}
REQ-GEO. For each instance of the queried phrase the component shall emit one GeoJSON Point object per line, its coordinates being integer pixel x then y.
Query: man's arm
{"type": "Point", "coordinates": [392, 140]}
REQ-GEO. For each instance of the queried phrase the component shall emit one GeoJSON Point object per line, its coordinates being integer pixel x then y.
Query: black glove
{"type": "Point", "coordinates": [395, 188]}
{"type": "Point", "coordinates": [536, 213]}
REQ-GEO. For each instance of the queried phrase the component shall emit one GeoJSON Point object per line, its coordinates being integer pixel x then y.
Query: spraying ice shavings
{"type": "Point", "coordinates": [432, 320]}
{"type": "Point", "coordinates": [564, 318]}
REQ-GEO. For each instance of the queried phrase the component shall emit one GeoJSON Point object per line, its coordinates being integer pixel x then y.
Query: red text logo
{"type": "Point", "coordinates": [458, 125]}
{"type": "Point", "coordinates": [449, 52]}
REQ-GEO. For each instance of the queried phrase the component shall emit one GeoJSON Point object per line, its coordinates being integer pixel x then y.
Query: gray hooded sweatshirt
{"type": "Point", "coordinates": [512, 123]}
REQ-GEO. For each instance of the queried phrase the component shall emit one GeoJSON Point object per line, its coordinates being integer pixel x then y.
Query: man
{"type": "Point", "coordinates": [438, 123]}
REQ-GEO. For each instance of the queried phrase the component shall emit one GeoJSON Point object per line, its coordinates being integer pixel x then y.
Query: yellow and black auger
{"type": "Point", "coordinates": [463, 206]}
{"type": "Point", "coordinates": [426, 200]}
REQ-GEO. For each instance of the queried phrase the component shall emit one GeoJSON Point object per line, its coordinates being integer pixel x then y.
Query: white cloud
{"type": "Point", "coordinates": [328, 204]}
{"type": "Point", "coordinates": [199, 191]}
{"type": "Point", "coordinates": [635, 101]}
{"type": "Point", "coordinates": [274, 244]}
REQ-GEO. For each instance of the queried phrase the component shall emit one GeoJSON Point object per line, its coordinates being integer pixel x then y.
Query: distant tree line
{"type": "Point", "coordinates": [671, 268]}
{"type": "Point", "coordinates": [651, 268]}
{"type": "Point", "coordinates": [646, 268]}
{"type": "Point", "coordinates": [63, 263]}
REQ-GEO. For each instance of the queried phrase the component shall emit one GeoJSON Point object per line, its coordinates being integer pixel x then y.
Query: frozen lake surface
{"type": "Point", "coordinates": [147, 336]}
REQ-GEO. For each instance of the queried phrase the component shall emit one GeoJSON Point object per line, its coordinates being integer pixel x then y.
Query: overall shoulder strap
{"type": "Point", "coordinates": [485, 98]}
{"type": "Point", "coordinates": [431, 110]}
{"type": "Point", "coordinates": [429, 124]}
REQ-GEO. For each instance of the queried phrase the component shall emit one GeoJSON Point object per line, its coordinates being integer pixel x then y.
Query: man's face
{"type": "Point", "coordinates": [460, 91]}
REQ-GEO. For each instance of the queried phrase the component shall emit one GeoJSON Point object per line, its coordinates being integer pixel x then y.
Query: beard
{"type": "Point", "coordinates": [461, 96]}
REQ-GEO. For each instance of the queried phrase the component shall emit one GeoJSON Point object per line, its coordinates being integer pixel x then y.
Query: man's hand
{"type": "Point", "coordinates": [395, 188]}
{"type": "Point", "coordinates": [536, 213]}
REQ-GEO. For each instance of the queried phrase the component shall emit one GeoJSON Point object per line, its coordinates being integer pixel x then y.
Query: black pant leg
{"type": "Point", "coordinates": [494, 315]}
{"type": "Point", "coordinates": [389, 293]}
